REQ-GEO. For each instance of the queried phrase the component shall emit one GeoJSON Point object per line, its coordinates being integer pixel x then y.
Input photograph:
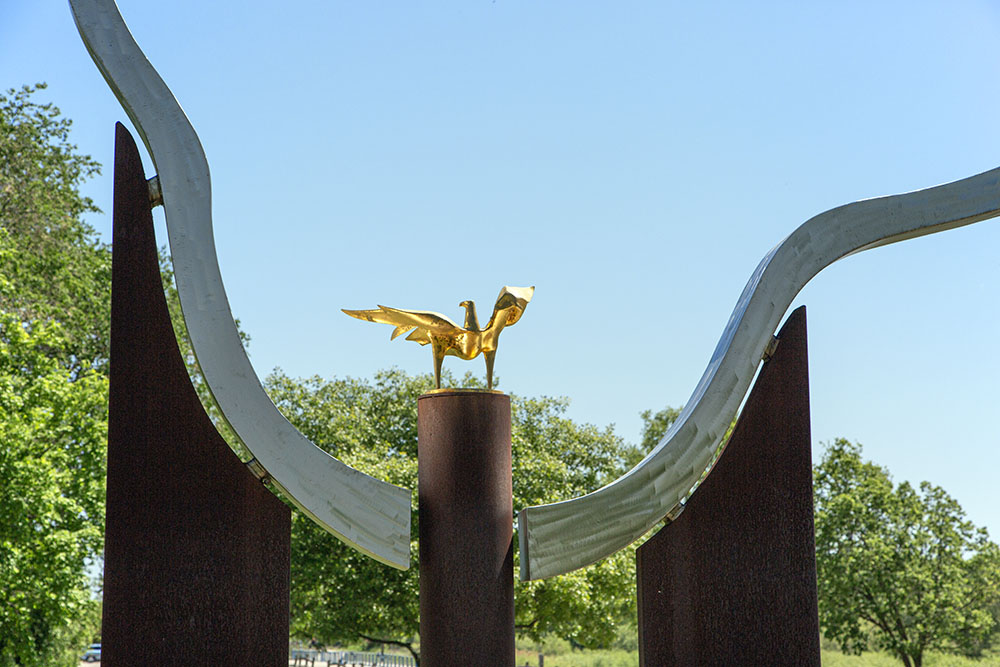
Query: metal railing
{"type": "Point", "coordinates": [312, 658]}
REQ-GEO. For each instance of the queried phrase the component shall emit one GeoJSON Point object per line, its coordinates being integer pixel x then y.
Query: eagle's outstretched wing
{"type": "Point", "coordinates": [510, 305]}
{"type": "Point", "coordinates": [420, 322]}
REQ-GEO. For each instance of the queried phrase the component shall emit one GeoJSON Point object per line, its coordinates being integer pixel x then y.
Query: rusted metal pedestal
{"type": "Point", "coordinates": [466, 529]}
{"type": "Point", "coordinates": [733, 580]}
{"type": "Point", "coordinates": [196, 560]}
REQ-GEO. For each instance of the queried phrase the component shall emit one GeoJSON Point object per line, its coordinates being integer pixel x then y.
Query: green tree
{"type": "Point", "coordinates": [56, 268]}
{"type": "Point", "coordinates": [54, 314]}
{"type": "Point", "coordinates": [340, 596]}
{"type": "Point", "coordinates": [655, 425]}
{"type": "Point", "coordinates": [53, 427]}
{"type": "Point", "coordinates": [898, 568]}
{"type": "Point", "coordinates": [55, 303]}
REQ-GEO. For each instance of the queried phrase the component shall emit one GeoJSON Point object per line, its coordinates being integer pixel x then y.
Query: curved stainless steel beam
{"type": "Point", "coordinates": [370, 515]}
{"type": "Point", "coordinates": [564, 536]}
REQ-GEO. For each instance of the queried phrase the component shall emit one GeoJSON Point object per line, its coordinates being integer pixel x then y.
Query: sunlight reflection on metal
{"type": "Point", "coordinates": [370, 515]}
{"type": "Point", "coordinates": [564, 536]}
{"type": "Point", "coordinates": [447, 338]}
{"type": "Point", "coordinates": [554, 538]}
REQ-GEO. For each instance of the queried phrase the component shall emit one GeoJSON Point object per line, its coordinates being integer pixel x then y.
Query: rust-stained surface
{"type": "Point", "coordinates": [466, 529]}
{"type": "Point", "coordinates": [733, 580]}
{"type": "Point", "coordinates": [196, 564]}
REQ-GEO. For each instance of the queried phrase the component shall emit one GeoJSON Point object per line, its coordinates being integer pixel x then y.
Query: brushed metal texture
{"type": "Point", "coordinates": [564, 536]}
{"type": "Point", "coordinates": [733, 580]}
{"type": "Point", "coordinates": [369, 514]}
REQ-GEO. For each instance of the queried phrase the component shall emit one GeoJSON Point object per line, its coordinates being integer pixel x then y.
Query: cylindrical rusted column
{"type": "Point", "coordinates": [466, 529]}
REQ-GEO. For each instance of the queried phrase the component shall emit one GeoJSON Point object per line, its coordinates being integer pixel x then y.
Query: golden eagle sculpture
{"type": "Point", "coordinates": [446, 337]}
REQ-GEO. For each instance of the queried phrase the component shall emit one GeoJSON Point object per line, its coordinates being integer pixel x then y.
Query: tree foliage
{"type": "Point", "coordinates": [898, 567]}
{"type": "Point", "coordinates": [54, 315]}
{"type": "Point", "coordinates": [655, 425]}
{"type": "Point", "coordinates": [52, 428]}
{"type": "Point", "coordinates": [339, 595]}
{"type": "Point", "coordinates": [56, 267]}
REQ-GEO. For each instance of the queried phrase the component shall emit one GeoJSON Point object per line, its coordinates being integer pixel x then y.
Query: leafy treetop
{"type": "Point", "coordinates": [899, 567]}
{"type": "Point", "coordinates": [56, 268]}
{"type": "Point", "coordinates": [340, 595]}
{"type": "Point", "coordinates": [54, 317]}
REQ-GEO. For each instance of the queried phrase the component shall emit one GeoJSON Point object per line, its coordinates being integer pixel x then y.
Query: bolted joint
{"type": "Point", "coordinates": [772, 347]}
{"type": "Point", "coordinates": [258, 471]}
{"type": "Point", "coordinates": [674, 512]}
{"type": "Point", "coordinates": [155, 193]}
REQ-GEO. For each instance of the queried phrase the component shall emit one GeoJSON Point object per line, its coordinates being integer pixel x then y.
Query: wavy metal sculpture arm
{"type": "Point", "coordinates": [568, 535]}
{"type": "Point", "coordinates": [370, 515]}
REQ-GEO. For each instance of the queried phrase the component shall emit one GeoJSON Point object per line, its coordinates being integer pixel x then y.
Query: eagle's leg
{"type": "Point", "coordinates": [438, 358]}
{"type": "Point", "coordinates": [489, 356]}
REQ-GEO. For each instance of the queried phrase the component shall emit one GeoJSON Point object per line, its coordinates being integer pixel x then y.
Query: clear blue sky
{"type": "Point", "coordinates": [633, 160]}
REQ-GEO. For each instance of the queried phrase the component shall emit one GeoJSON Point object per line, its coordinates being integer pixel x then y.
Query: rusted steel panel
{"type": "Point", "coordinates": [733, 580]}
{"type": "Point", "coordinates": [196, 562]}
